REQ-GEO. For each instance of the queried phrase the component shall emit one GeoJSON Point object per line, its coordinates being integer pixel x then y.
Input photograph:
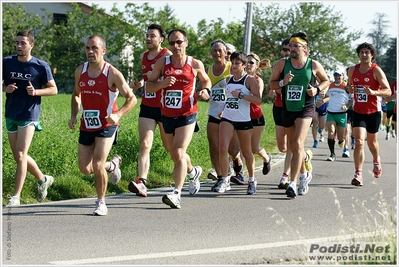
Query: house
{"type": "Point", "coordinates": [59, 10]}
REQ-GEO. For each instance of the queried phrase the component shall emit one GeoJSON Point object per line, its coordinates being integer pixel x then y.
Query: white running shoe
{"type": "Point", "coordinates": [304, 181]}
{"type": "Point", "coordinates": [42, 188]}
{"type": "Point", "coordinates": [116, 174]}
{"type": "Point", "coordinates": [223, 186]}
{"type": "Point", "coordinates": [172, 199]}
{"type": "Point", "coordinates": [283, 182]}
{"type": "Point", "coordinates": [101, 209]}
{"type": "Point", "coordinates": [291, 191]}
{"type": "Point", "coordinates": [194, 183]}
{"type": "Point", "coordinates": [251, 189]}
{"type": "Point", "coordinates": [14, 201]}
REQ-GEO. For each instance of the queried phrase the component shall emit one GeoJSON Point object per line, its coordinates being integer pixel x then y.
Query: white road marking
{"type": "Point", "coordinates": [217, 250]}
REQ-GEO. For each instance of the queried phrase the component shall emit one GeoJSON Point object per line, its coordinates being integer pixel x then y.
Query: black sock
{"type": "Point", "coordinates": [331, 144]}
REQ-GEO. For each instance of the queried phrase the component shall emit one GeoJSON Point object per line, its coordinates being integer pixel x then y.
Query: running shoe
{"type": "Point", "coordinates": [315, 144]}
{"type": "Point", "coordinates": [223, 187]}
{"type": "Point", "coordinates": [251, 189]}
{"type": "Point", "coordinates": [319, 130]}
{"type": "Point", "coordinates": [393, 134]}
{"type": "Point", "coordinates": [14, 201]}
{"type": "Point", "coordinates": [377, 170]}
{"type": "Point", "coordinates": [237, 164]}
{"type": "Point", "coordinates": [387, 136]}
{"type": "Point", "coordinates": [345, 153]}
{"type": "Point", "coordinates": [194, 183]}
{"type": "Point", "coordinates": [353, 142]}
{"type": "Point", "coordinates": [138, 188]}
{"type": "Point", "coordinates": [283, 182]}
{"type": "Point", "coordinates": [291, 191]}
{"type": "Point", "coordinates": [42, 188]}
{"type": "Point", "coordinates": [212, 175]}
{"type": "Point", "coordinates": [267, 166]}
{"type": "Point", "coordinates": [101, 209]}
{"type": "Point", "coordinates": [321, 139]}
{"type": "Point", "coordinates": [172, 199]}
{"type": "Point", "coordinates": [304, 181]}
{"type": "Point", "coordinates": [332, 157]}
{"type": "Point", "coordinates": [341, 143]}
{"type": "Point", "coordinates": [237, 179]}
{"type": "Point", "coordinates": [357, 180]}
{"type": "Point", "coordinates": [218, 182]}
{"type": "Point", "coordinates": [308, 163]}
{"type": "Point", "coordinates": [116, 174]}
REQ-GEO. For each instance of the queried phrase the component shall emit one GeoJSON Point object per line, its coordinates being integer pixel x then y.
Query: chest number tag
{"type": "Point", "coordinates": [92, 119]}
{"type": "Point", "coordinates": [361, 95]}
{"type": "Point", "coordinates": [148, 95]}
{"type": "Point", "coordinates": [294, 92]}
{"type": "Point", "coordinates": [232, 103]}
{"type": "Point", "coordinates": [173, 98]}
{"type": "Point", "coordinates": [218, 95]}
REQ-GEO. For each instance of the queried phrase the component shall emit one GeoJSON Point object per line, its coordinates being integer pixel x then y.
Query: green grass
{"type": "Point", "coordinates": [55, 151]}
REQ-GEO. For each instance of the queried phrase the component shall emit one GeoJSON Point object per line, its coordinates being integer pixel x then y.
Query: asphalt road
{"type": "Point", "coordinates": [212, 228]}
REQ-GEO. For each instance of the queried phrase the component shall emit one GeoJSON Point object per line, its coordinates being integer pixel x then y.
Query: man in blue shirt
{"type": "Point", "coordinates": [25, 80]}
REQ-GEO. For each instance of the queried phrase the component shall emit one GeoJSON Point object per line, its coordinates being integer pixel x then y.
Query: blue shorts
{"type": "Point", "coordinates": [321, 112]}
{"type": "Point", "coordinates": [87, 138]}
{"type": "Point", "coordinates": [13, 125]}
{"type": "Point", "coordinates": [171, 124]}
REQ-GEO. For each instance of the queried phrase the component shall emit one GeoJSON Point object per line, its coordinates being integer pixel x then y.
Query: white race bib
{"type": "Point", "coordinates": [294, 92]}
{"type": "Point", "coordinates": [92, 119]}
{"type": "Point", "coordinates": [174, 99]}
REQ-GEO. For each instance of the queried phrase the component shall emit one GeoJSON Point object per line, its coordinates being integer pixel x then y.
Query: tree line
{"type": "Point", "coordinates": [61, 43]}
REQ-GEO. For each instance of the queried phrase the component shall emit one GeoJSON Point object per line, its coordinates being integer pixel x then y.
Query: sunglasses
{"type": "Point", "coordinates": [295, 45]}
{"type": "Point", "coordinates": [229, 53]}
{"type": "Point", "coordinates": [337, 75]}
{"type": "Point", "coordinates": [251, 62]}
{"type": "Point", "coordinates": [286, 49]}
{"type": "Point", "coordinates": [179, 42]}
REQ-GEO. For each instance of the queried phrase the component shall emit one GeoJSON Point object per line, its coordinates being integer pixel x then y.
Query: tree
{"type": "Point", "coordinates": [388, 61]}
{"type": "Point", "coordinates": [329, 40]}
{"type": "Point", "coordinates": [379, 37]}
{"type": "Point", "coordinates": [15, 18]}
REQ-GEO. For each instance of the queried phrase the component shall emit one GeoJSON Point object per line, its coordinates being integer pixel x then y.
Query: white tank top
{"type": "Point", "coordinates": [237, 110]}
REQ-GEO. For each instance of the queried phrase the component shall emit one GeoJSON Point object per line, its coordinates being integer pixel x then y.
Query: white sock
{"type": "Point", "coordinates": [192, 173]}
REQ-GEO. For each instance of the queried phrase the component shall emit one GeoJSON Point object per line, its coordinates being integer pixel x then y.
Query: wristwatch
{"type": "Point", "coordinates": [241, 95]}
{"type": "Point", "coordinates": [318, 89]}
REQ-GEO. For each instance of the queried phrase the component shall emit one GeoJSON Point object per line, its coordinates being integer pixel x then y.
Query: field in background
{"type": "Point", "coordinates": [55, 151]}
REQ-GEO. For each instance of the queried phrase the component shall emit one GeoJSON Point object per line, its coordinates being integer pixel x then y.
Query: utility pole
{"type": "Point", "coordinates": [248, 29]}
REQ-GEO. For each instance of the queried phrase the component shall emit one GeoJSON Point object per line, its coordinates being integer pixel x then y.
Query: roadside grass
{"type": "Point", "coordinates": [380, 229]}
{"type": "Point", "coordinates": [55, 151]}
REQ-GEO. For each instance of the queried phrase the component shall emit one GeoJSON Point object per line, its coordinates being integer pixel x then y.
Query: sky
{"type": "Point", "coordinates": [356, 15]}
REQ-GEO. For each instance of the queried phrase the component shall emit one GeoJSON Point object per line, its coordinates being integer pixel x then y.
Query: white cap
{"type": "Point", "coordinates": [339, 70]}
